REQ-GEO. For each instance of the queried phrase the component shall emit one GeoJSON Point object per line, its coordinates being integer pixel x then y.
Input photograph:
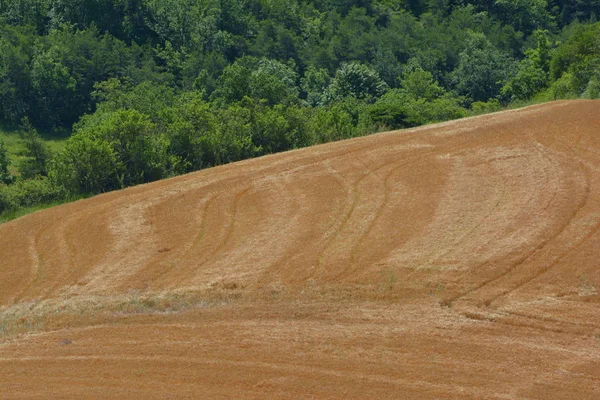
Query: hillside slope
{"type": "Point", "coordinates": [457, 260]}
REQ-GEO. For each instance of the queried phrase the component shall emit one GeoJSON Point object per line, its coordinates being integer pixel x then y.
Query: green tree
{"type": "Point", "coordinates": [387, 66]}
{"type": "Point", "coordinates": [88, 165]}
{"type": "Point", "coordinates": [274, 82]}
{"type": "Point", "coordinates": [261, 79]}
{"type": "Point", "coordinates": [532, 73]}
{"type": "Point", "coordinates": [333, 122]}
{"type": "Point", "coordinates": [196, 138]}
{"type": "Point", "coordinates": [37, 153]}
{"type": "Point", "coordinates": [524, 15]}
{"type": "Point", "coordinates": [148, 98]}
{"type": "Point", "coordinates": [419, 100]}
{"type": "Point", "coordinates": [314, 83]}
{"type": "Point", "coordinates": [26, 13]}
{"type": "Point", "coordinates": [5, 176]}
{"type": "Point", "coordinates": [54, 89]}
{"type": "Point", "coordinates": [420, 84]}
{"type": "Point", "coordinates": [356, 80]}
{"type": "Point", "coordinates": [15, 77]}
{"type": "Point", "coordinates": [578, 57]}
{"type": "Point", "coordinates": [234, 82]}
{"type": "Point", "coordinates": [482, 69]}
{"type": "Point", "coordinates": [124, 144]}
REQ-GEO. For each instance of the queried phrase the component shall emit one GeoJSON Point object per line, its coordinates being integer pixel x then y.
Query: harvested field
{"type": "Point", "coordinates": [459, 260]}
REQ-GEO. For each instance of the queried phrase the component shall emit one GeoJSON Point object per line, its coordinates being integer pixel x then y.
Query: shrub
{"type": "Point", "coordinates": [7, 201]}
{"type": "Point", "coordinates": [5, 176]}
{"type": "Point", "coordinates": [28, 193]}
{"type": "Point", "coordinates": [37, 153]}
{"type": "Point", "coordinates": [111, 151]}
{"type": "Point", "coordinates": [480, 107]}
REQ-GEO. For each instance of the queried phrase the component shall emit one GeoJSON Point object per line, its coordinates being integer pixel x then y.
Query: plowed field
{"type": "Point", "coordinates": [459, 260]}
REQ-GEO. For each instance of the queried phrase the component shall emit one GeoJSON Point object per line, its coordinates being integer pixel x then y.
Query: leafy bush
{"type": "Point", "coordinates": [37, 152]}
{"type": "Point", "coordinates": [592, 90]}
{"type": "Point", "coordinates": [564, 88]}
{"type": "Point", "coordinates": [480, 107]}
{"type": "Point", "coordinates": [111, 151]}
{"type": "Point", "coordinates": [198, 139]}
{"type": "Point", "coordinates": [332, 123]}
{"type": "Point", "coordinates": [87, 165]}
{"type": "Point", "coordinates": [532, 72]}
{"type": "Point", "coordinates": [7, 201]}
{"type": "Point", "coordinates": [419, 100]}
{"type": "Point", "coordinates": [5, 176]}
{"type": "Point", "coordinates": [29, 192]}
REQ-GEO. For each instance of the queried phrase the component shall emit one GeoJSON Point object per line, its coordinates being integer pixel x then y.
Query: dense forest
{"type": "Point", "coordinates": [148, 89]}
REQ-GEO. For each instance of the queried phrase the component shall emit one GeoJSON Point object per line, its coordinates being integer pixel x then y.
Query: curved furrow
{"type": "Point", "coordinates": [530, 198]}
{"type": "Point", "coordinates": [522, 259]}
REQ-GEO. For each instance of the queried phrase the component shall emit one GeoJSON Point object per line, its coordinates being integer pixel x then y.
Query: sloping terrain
{"type": "Point", "coordinates": [459, 260]}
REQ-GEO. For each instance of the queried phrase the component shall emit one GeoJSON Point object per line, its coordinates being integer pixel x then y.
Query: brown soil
{"type": "Point", "coordinates": [459, 260]}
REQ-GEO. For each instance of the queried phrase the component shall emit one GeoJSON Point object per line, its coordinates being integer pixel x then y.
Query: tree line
{"type": "Point", "coordinates": [156, 88]}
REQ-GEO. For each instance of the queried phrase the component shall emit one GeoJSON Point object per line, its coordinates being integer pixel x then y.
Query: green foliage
{"type": "Point", "coordinates": [87, 165]}
{"type": "Point", "coordinates": [387, 66]}
{"type": "Point", "coordinates": [356, 80]}
{"type": "Point", "coordinates": [197, 138]}
{"type": "Point", "coordinates": [29, 193]}
{"type": "Point", "coordinates": [53, 87]}
{"type": "Point", "coordinates": [420, 84]}
{"type": "Point", "coordinates": [532, 73]}
{"type": "Point", "coordinates": [419, 100]}
{"type": "Point", "coordinates": [234, 83]}
{"type": "Point", "coordinates": [274, 82]}
{"type": "Point", "coordinates": [564, 88]}
{"type": "Point", "coordinates": [5, 176]}
{"type": "Point", "coordinates": [333, 122]}
{"type": "Point", "coordinates": [111, 151]}
{"type": "Point", "coordinates": [391, 110]}
{"type": "Point", "coordinates": [398, 110]}
{"type": "Point", "coordinates": [480, 107]}
{"type": "Point", "coordinates": [524, 15]}
{"type": "Point", "coordinates": [37, 153]}
{"type": "Point", "coordinates": [148, 98]}
{"type": "Point", "coordinates": [278, 128]}
{"type": "Point", "coordinates": [314, 84]}
{"type": "Point", "coordinates": [15, 81]}
{"type": "Point", "coordinates": [261, 79]}
{"type": "Point", "coordinates": [579, 57]}
{"type": "Point", "coordinates": [528, 81]}
{"type": "Point", "coordinates": [482, 69]}
{"type": "Point", "coordinates": [592, 90]}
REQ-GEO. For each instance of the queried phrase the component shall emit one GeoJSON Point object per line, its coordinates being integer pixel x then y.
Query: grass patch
{"type": "Point", "coordinates": [12, 141]}
{"type": "Point", "coordinates": [18, 213]}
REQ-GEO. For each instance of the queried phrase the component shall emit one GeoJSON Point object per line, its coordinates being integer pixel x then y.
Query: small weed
{"type": "Point", "coordinates": [388, 279]}
{"type": "Point", "coordinates": [438, 290]}
{"type": "Point", "coordinates": [446, 304]}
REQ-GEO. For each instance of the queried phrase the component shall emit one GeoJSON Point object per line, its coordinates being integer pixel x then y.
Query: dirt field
{"type": "Point", "coordinates": [459, 260]}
